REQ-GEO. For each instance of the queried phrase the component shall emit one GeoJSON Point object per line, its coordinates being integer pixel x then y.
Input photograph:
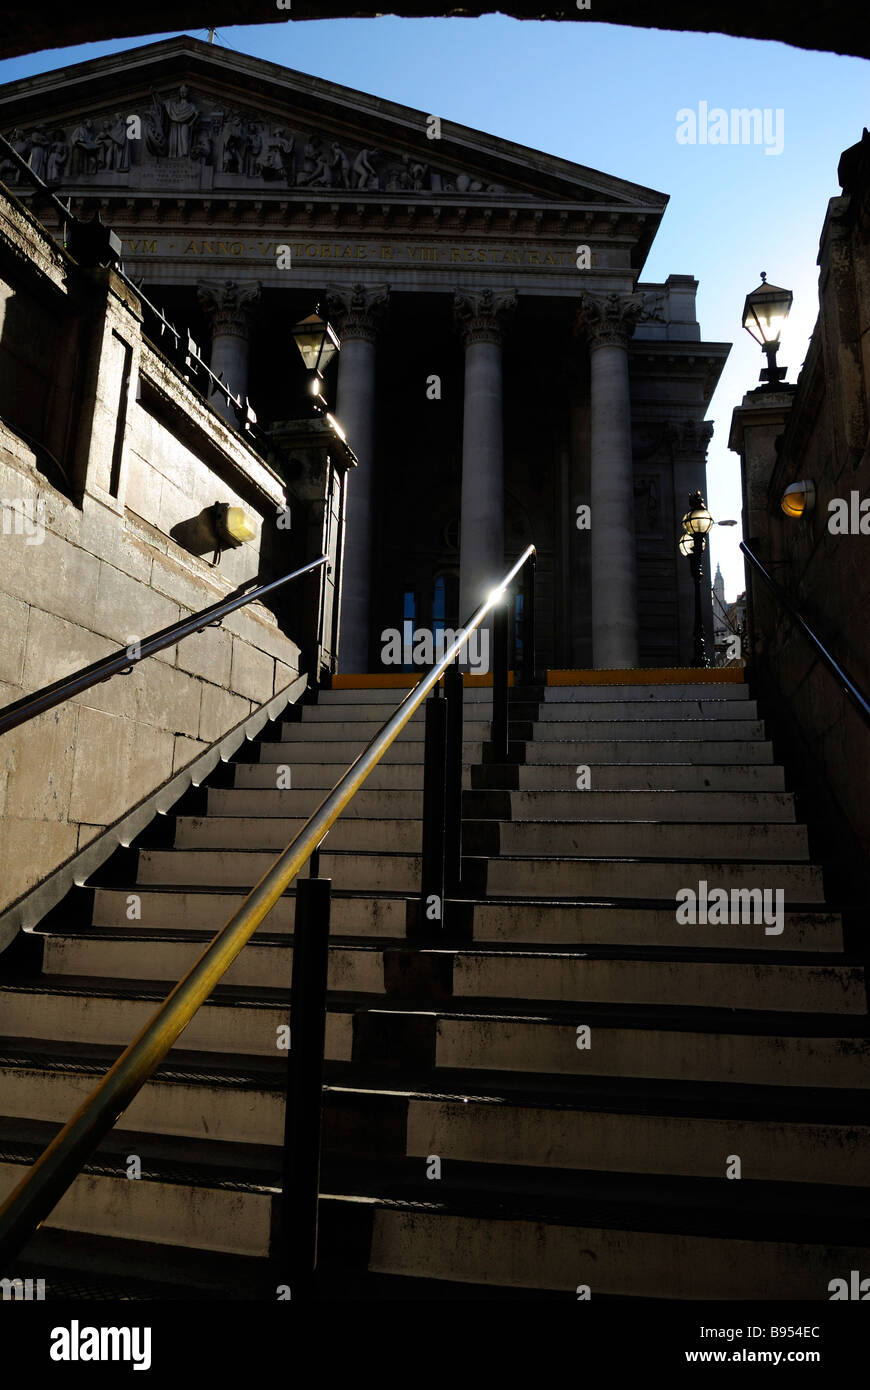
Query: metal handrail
{"type": "Point", "coordinates": [842, 677]}
{"type": "Point", "coordinates": [29, 706]}
{"type": "Point", "coordinates": [53, 1172]}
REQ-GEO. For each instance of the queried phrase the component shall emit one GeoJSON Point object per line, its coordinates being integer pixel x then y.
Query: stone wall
{"type": "Point", "coordinates": [819, 432]}
{"type": "Point", "coordinates": [108, 460]}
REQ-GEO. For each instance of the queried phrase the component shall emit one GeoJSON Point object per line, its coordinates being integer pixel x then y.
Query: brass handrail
{"type": "Point", "coordinates": [29, 706]}
{"type": "Point", "coordinates": [45, 1183]}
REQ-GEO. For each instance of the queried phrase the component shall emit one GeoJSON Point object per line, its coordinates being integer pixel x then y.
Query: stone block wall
{"type": "Point", "coordinates": [820, 433]}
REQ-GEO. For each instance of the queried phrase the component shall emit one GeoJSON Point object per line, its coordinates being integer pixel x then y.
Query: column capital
{"type": "Point", "coordinates": [357, 309]}
{"type": "Point", "coordinates": [481, 315]}
{"type": "Point", "coordinates": [228, 305]}
{"type": "Point", "coordinates": [607, 320]}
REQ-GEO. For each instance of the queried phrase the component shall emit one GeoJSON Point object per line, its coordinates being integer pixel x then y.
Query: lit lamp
{"type": "Point", "coordinates": [318, 343]}
{"type": "Point", "coordinates": [764, 312]}
{"type": "Point", "coordinates": [696, 523]}
{"type": "Point", "coordinates": [799, 499]}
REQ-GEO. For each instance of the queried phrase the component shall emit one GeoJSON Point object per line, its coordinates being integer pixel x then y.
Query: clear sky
{"type": "Point", "coordinates": [607, 96]}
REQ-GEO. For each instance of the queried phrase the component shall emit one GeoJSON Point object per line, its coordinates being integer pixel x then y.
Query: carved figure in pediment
{"type": "Point", "coordinates": [316, 171]}
{"type": "Point", "coordinates": [155, 136]}
{"type": "Point", "coordinates": [58, 156]}
{"type": "Point", "coordinates": [40, 144]}
{"type": "Point", "coordinates": [364, 171]}
{"type": "Point", "coordinates": [340, 166]}
{"type": "Point", "coordinates": [181, 116]}
{"type": "Point", "coordinates": [85, 149]}
{"type": "Point", "coordinates": [418, 173]}
{"type": "Point", "coordinates": [256, 152]}
{"type": "Point", "coordinates": [234, 146]}
{"type": "Point", "coordinates": [278, 162]}
{"type": "Point", "coordinates": [202, 147]}
{"type": "Point", "coordinates": [113, 145]}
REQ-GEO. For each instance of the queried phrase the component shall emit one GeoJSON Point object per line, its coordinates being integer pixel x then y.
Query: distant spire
{"type": "Point", "coordinates": [211, 35]}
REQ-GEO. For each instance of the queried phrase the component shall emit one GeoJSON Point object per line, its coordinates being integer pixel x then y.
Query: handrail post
{"type": "Point", "coordinates": [434, 811]}
{"type": "Point", "coordinates": [499, 732]}
{"type": "Point", "coordinates": [529, 634]}
{"type": "Point", "coordinates": [453, 687]}
{"type": "Point", "coordinates": [303, 1116]}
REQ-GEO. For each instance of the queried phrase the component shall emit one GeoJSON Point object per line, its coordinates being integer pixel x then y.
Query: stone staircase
{"type": "Point", "coordinates": [555, 1096]}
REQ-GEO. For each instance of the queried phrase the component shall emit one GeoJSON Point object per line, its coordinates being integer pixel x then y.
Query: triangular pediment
{"type": "Point", "coordinates": [182, 115]}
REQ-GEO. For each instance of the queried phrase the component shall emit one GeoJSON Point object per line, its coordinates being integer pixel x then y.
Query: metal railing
{"type": "Point", "coordinates": [53, 1172]}
{"type": "Point", "coordinates": [123, 660]}
{"type": "Point", "coordinates": [842, 677]}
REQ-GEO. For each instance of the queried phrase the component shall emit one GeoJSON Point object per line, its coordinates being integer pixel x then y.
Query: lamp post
{"type": "Point", "coordinates": [765, 310]}
{"type": "Point", "coordinates": [318, 343]}
{"type": "Point", "coordinates": [696, 523]}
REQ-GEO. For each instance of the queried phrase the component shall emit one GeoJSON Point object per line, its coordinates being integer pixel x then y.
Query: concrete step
{"type": "Point", "coordinates": [653, 730]}
{"type": "Point", "coordinates": [626, 878]}
{"type": "Point", "coordinates": [615, 707]}
{"type": "Point", "coordinates": [341, 753]}
{"type": "Point", "coordinates": [265, 963]}
{"type": "Point", "coordinates": [272, 832]}
{"type": "Point", "coordinates": [554, 711]}
{"type": "Point", "coordinates": [633, 839]}
{"type": "Point", "coordinates": [687, 691]}
{"type": "Point", "coordinates": [243, 868]}
{"type": "Point", "coordinates": [387, 804]}
{"type": "Point", "coordinates": [656, 1130]}
{"type": "Point", "coordinates": [322, 777]}
{"type": "Point", "coordinates": [690, 749]}
{"type": "Point", "coordinates": [90, 1010]}
{"type": "Point", "coordinates": [212, 1203]}
{"type": "Point", "coordinates": [209, 911]}
{"type": "Point", "coordinates": [569, 1135]}
{"type": "Point", "coordinates": [542, 923]}
{"type": "Point", "coordinates": [572, 694]}
{"type": "Point", "coordinates": [340, 730]}
{"type": "Point", "coordinates": [191, 1096]}
{"type": "Point", "coordinates": [691, 807]}
{"type": "Point", "coordinates": [544, 1252]}
{"type": "Point", "coordinates": [751, 778]}
{"type": "Point", "coordinates": [718, 1053]}
{"type": "Point", "coordinates": [669, 983]}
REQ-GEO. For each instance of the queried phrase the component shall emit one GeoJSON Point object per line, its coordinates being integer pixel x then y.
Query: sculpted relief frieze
{"type": "Point", "coordinates": [185, 139]}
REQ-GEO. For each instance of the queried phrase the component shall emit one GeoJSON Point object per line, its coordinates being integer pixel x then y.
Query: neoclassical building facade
{"type": "Point", "coordinates": [505, 374]}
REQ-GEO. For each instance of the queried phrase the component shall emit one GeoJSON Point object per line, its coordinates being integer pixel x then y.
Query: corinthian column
{"type": "Point", "coordinates": [228, 306]}
{"type": "Point", "coordinates": [481, 315]}
{"type": "Point", "coordinates": [607, 322]}
{"type": "Point", "coordinates": [357, 311]}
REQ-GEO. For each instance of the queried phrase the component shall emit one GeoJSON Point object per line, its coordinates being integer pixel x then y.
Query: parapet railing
{"type": "Point", "coordinates": [123, 660]}
{"type": "Point", "coordinates": [842, 677]}
{"type": "Point", "coordinates": [55, 1170]}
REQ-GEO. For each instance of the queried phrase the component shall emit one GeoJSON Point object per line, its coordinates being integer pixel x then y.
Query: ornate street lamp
{"type": "Point", "coordinates": [318, 343]}
{"type": "Point", "coordinates": [765, 310]}
{"type": "Point", "coordinates": [696, 523]}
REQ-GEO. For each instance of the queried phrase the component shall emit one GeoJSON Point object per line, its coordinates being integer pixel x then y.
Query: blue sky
{"type": "Point", "coordinates": [607, 96]}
